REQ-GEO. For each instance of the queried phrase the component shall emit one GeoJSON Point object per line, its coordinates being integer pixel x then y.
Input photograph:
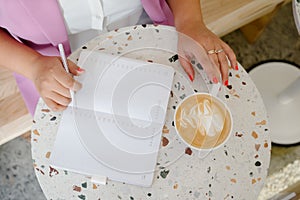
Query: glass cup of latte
{"type": "Point", "coordinates": [203, 121]}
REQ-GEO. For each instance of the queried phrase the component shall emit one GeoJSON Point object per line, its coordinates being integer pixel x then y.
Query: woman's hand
{"type": "Point", "coordinates": [195, 41]}
{"type": "Point", "coordinates": [53, 82]}
{"type": "Point", "coordinates": [46, 72]}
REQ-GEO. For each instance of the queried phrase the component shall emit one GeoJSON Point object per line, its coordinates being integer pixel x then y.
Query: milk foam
{"type": "Point", "coordinates": [207, 119]}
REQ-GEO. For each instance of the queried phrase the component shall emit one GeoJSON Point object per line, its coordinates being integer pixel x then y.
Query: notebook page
{"type": "Point", "coordinates": [70, 154]}
{"type": "Point", "coordinates": [131, 85]}
{"type": "Point", "coordinates": [120, 140]}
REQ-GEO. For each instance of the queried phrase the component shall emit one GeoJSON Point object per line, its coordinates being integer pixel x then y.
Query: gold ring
{"type": "Point", "coordinates": [219, 51]}
{"type": "Point", "coordinates": [211, 51]}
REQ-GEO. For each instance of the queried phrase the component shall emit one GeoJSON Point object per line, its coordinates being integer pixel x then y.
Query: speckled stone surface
{"type": "Point", "coordinates": [236, 170]}
{"type": "Point", "coordinates": [280, 40]}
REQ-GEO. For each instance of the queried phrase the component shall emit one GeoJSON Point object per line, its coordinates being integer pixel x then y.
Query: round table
{"type": "Point", "coordinates": [236, 170]}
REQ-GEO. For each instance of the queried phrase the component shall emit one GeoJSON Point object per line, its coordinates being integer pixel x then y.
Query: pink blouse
{"type": "Point", "coordinates": [159, 11]}
{"type": "Point", "coordinates": [41, 25]}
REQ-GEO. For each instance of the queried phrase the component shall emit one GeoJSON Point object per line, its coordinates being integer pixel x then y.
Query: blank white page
{"type": "Point", "coordinates": [117, 117]}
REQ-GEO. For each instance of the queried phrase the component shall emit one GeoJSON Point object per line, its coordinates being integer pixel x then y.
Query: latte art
{"type": "Point", "coordinates": [203, 117]}
{"type": "Point", "coordinates": [203, 121]}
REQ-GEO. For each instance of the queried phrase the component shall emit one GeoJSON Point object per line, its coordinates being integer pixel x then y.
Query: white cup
{"type": "Point", "coordinates": [203, 122]}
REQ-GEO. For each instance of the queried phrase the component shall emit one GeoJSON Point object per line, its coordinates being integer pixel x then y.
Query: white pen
{"type": "Point", "coordinates": [65, 64]}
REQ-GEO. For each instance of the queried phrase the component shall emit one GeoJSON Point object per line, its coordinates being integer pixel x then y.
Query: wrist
{"type": "Point", "coordinates": [34, 66]}
{"type": "Point", "coordinates": [186, 21]}
{"type": "Point", "coordinates": [186, 13]}
{"type": "Point", "coordinates": [183, 24]}
{"type": "Point", "coordinates": [191, 28]}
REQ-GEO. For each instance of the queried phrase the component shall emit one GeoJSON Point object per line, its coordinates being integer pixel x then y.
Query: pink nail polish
{"type": "Point", "coordinates": [191, 77]}
{"type": "Point", "coordinates": [215, 80]}
{"type": "Point", "coordinates": [80, 69]}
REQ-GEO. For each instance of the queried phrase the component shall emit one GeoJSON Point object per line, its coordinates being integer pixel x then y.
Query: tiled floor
{"type": "Point", "coordinates": [279, 41]}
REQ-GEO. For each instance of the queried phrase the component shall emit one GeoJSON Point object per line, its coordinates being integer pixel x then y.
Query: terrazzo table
{"type": "Point", "coordinates": [236, 170]}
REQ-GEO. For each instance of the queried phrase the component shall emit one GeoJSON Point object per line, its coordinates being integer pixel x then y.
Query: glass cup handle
{"type": "Point", "coordinates": [215, 89]}
{"type": "Point", "coordinates": [215, 86]}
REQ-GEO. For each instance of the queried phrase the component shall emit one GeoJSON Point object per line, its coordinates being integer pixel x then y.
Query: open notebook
{"type": "Point", "coordinates": [113, 126]}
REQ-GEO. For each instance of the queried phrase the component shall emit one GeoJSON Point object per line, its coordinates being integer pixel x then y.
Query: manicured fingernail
{"type": "Point", "coordinates": [80, 69]}
{"type": "Point", "coordinates": [226, 83]}
{"type": "Point", "coordinates": [215, 80]}
{"type": "Point", "coordinates": [191, 77]}
{"type": "Point", "coordinates": [236, 67]}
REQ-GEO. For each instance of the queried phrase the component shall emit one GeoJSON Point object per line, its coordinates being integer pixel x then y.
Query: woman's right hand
{"type": "Point", "coordinates": [53, 82]}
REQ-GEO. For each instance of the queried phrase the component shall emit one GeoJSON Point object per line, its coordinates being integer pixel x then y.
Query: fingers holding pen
{"type": "Point", "coordinates": [54, 83]}
{"type": "Point", "coordinates": [66, 80]}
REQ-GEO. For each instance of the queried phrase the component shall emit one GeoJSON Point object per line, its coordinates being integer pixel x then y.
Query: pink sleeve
{"type": "Point", "coordinates": [159, 11]}
{"type": "Point", "coordinates": [41, 23]}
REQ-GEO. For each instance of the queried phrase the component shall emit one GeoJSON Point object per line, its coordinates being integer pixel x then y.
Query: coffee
{"type": "Point", "coordinates": [203, 121]}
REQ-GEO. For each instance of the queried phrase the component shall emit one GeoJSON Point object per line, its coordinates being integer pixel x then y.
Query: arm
{"type": "Point", "coordinates": [47, 73]}
{"type": "Point", "coordinates": [14, 54]}
{"type": "Point", "coordinates": [196, 40]}
{"type": "Point", "coordinates": [186, 11]}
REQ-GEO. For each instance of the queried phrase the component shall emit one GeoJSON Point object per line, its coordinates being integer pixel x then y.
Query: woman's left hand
{"type": "Point", "coordinates": [196, 41]}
